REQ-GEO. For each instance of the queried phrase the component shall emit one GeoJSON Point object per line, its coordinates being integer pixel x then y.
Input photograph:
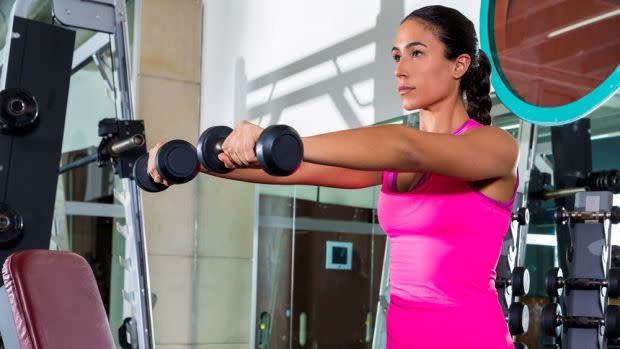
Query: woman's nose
{"type": "Point", "coordinates": [399, 70]}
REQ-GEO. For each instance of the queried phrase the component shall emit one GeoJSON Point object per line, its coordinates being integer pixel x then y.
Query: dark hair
{"type": "Point", "coordinates": [457, 33]}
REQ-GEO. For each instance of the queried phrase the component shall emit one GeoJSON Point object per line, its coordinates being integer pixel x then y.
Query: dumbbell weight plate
{"type": "Point", "coordinates": [612, 322]}
{"type": "Point", "coordinates": [177, 161]}
{"type": "Point", "coordinates": [518, 319]}
{"type": "Point", "coordinates": [143, 179]}
{"type": "Point", "coordinates": [552, 279]}
{"type": "Point", "coordinates": [615, 215]}
{"type": "Point", "coordinates": [548, 316]}
{"type": "Point", "coordinates": [279, 150]}
{"type": "Point", "coordinates": [208, 148]}
{"type": "Point", "coordinates": [613, 283]}
{"type": "Point", "coordinates": [520, 281]}
{"type": "Point", "coordinates": [523, 216]}
{"type": "Point", "coordinates": [558, 215]}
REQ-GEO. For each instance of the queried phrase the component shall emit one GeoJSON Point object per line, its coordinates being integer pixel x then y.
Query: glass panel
{"type": "Point", "coordinates": [337, 269]}
{"type": "Point", "coordinates": [553, 53]}
{"type": "Point", "coordinates": [338, 260]}
{"type": "Point", "coordinates": [274, 259]}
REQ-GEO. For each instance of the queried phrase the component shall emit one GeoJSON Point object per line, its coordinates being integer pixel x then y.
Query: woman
{"type": "Point", "coordinates": [447, 189]}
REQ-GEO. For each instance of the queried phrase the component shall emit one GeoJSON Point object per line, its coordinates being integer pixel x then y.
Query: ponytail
{"type": "Point", "coordinates": [476, 84]}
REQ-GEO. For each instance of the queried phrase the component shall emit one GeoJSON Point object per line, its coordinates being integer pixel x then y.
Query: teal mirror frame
{"type": "Point", "coordinates": [547, 116]}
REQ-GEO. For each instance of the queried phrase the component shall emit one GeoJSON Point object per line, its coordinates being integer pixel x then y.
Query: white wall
{"type": "Point", "coordinates": [318, 66]}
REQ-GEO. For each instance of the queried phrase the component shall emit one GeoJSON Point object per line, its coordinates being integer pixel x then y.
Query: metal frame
{"type": "Point", "coordinates": [132, 198]}
{"type": "Point", "coordinates": [255, 236]}
{"type": "Point", "coordinates": [550, 116]}
{"type": "Point", "coordinates": [109, 16]}
{"type": "Point", "coordinates": [378, 338]}
{"type": "Point", "coordinates": [88, 49]}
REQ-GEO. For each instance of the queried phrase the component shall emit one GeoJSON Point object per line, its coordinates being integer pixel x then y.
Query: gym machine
{"type": "Point", "coordinates": [579, 314]}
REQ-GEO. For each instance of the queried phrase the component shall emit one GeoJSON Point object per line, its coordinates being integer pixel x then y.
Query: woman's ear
{"type": "Point", "coordinates": [461, 64]}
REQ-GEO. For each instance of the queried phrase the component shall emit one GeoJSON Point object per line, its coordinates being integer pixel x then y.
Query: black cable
{"type": "Point", "coordinates": [78, 163]}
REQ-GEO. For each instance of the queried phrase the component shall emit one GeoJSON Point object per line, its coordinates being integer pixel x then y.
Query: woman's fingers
{"type": "Point", "coordinates": [226, 160]}
{"type": "Point", "coordinates": [239, 145]}
{"type": "Point", "coordinates": [152, 168]}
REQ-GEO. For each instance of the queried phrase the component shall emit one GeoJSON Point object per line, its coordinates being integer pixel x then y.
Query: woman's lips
{"type": "Point", "coordinates": [405, 89]}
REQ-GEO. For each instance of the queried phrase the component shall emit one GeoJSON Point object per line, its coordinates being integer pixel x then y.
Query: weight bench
{"type": "Point", "coordinates": [50, 300]}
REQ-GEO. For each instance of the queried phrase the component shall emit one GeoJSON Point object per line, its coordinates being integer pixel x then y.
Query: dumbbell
{"type": "Point", "coordinates": [615, 256]}
{"type": "Point", "coordinates": [279, 149]}
{"type": "Point", "coordinates": [176, 161]}
{"type": "Point", "coordinates": [553, 321]}
{"type": "Point", "coordinates": [518, 319]}
{"type": "Point", "coordinates": [522, 216]}
{"type": "Point", "coordinates": [520, 282]}
{"type": "Point", "coordinates": [561, 215]}
{"type": "Point", "coordinates": [555, 283]}
{"type": "Point", "coordinates": [18, 109]}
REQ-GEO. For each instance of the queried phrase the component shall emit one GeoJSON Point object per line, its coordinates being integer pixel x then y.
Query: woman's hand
{"type": "Point", "coordinates": [238, 148]}
{"type": "Point", "coordinates": [152, 169]}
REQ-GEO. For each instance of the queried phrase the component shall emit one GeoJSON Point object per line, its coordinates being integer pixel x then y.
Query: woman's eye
{"type": "Point", "coordinates": [396, 58]}
{"type": "Point", "coordinates": [416, 53]}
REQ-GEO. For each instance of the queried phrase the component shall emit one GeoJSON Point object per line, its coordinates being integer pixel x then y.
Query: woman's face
{"type": "Point", "coordinates": [423, 75]}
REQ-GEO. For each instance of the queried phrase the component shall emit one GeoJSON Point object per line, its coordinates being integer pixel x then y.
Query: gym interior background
{"type": "Point", "coordinates": [236, 265]}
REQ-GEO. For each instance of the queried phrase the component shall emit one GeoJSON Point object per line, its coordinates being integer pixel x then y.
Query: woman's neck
{"type": "Point", "coordinates": [443, 117]}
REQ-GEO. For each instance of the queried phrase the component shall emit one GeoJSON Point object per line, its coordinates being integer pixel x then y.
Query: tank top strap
{"type": "Point", "coordinates": [389, 181]}
{"type": "Point", "coordinates": [467, 125]}
{"type": "Point", "coordinates": [516, 184]}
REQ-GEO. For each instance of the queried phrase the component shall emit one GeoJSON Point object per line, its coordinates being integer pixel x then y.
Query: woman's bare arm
{"type": "Point", "coordinates": [484, 152]}
{"type": "Point", "coordinates": [309, 174]}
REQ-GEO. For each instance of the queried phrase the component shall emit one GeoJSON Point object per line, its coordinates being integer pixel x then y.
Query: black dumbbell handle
{"type": "Point", "coordinates": [561, 215]}
{"type": "Point", "coordinates": [278, 159]}
{"type": "Point", "coordinates": [581, 321]}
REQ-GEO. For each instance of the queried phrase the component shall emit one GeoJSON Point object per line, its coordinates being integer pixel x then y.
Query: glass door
{"type": "Point", "coordinates": [338, 255]}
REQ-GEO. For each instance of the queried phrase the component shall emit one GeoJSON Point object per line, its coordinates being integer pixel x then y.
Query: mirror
{"type": "Point", "coordinates": [553, 62]}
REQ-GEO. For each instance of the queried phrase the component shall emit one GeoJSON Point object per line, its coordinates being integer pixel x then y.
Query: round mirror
{"type": "Point", "coordinates": [553, 61]}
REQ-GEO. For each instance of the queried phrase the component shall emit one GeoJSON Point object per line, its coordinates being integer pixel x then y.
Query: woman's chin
{"type": "Point", "coordinates": [408, 105]}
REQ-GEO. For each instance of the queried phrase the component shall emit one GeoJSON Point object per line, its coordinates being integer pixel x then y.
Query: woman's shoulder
{"type": "Point", "coordinates": [489, 131]}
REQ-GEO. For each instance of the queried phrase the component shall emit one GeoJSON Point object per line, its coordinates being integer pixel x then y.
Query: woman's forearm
{"type": "Point", "coordinates": [373, 148]}
{"type": "Point", "coordinates": [250, 175]}
{"type": "Point", "coordinates": [307, 174]}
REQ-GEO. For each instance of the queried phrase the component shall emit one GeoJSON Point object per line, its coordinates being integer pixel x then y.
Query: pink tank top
{"type": "Point", "coordinates": [445, 237]}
